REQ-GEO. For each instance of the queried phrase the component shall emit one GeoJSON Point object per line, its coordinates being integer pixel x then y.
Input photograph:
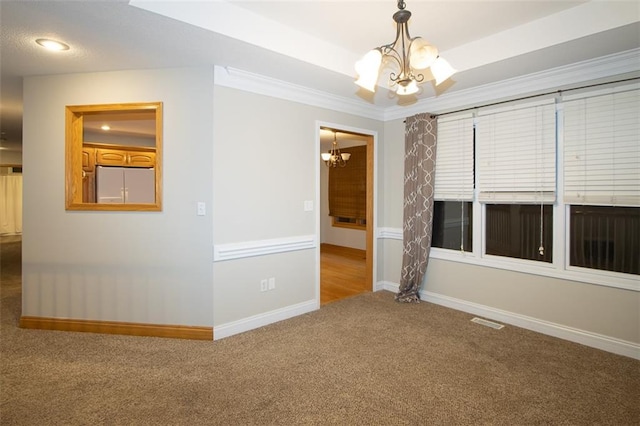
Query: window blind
{"type": "Point", "coordinates": [454, 159]}
{"type": "Point", "coordinates": [348, 186]}
{"type": "Point", "coordinates": [602, 149]}
{"type": "Point", "coordinates": [516, 153]}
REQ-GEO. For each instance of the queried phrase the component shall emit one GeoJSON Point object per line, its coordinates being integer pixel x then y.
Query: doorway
{"type": "Point", "coordinates": [346, 243]}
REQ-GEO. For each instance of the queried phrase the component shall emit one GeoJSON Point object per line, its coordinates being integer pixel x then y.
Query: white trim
{"type": "Point", "coordinates": [255, 83]}
{"type": "Point", "coordinates": [244, 249]}
{"type": "Point", "coordinates": [260, 320]}
{"type": "Point", "coordinates": [389, 286]}
{"type": "Point", "coordinates": [318, 207]}
{"type": "Point", "coordinates": [594, 340]}
{"type": "Point", "coordinates": [390, 233]}
{"type": "Point", "coordinates": [533, 267]}
{"type": "Point", "coordinates": [603, 67]}
{"type": "Point", "coordinates": [591, 92]}
{"type": "Point", "coordinates": [539, 82]}
{"type": "Point", "coordinates": [552, 270]}
{"type": "Point", "coordinates": [380, 285]}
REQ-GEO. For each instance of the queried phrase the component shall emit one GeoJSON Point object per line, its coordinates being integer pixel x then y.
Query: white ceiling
{"type": "Point", "coordinates": [309, 43]}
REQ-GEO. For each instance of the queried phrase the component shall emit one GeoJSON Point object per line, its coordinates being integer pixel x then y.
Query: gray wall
{"type": "Point", "coordinates": [253, 160]}
{"type": "Point", "coordinates": [266, 164]}
{"type": "Point", "coordinates": [597, 309]}
{"type": "Point", "coordinates": [147, 267]}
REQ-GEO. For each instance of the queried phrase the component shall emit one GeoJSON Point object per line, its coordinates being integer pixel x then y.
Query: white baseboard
{"type": "Point", "coordinates": [257, 321]}
{"type": "Point", "coordinates": [594, 340]}
{"type": "Point", "coordinates": [380, 286]}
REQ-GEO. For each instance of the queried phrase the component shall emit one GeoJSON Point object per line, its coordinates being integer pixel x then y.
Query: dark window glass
{"type": "Point", "coordinates": [606, 238]}
{"type": "Point", "coordinates": [513, 230]}
{"type": "Point", "coordinates": [452, 225]}
{"type": "Point", "coordinates": [349, 222]}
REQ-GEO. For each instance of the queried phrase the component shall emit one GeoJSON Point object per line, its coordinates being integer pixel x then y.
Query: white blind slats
{"type": "Point", "coordinates": [516, 151]}
{"type": "Point", "coordinates": [454, 159]}
{"type": "Point", "coordinates": [602, 149]}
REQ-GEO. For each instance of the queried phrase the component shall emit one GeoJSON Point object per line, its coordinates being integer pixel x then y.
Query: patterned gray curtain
{"type": "Point", "coordinates": [419, 179]}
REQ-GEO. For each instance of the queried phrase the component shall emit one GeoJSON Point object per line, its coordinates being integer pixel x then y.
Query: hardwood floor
{"type": "Point", "coordinates": [342, 273]}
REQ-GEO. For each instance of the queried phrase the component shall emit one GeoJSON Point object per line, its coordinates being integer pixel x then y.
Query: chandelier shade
{"type": "Point", "coordinates": [441, 70]}
{"type": "Point", "coordinates": [422, 54]}
{"type": "Point", "coordinates": [367, 69]}
{"type": "Point", "coordinates": [410, 55]}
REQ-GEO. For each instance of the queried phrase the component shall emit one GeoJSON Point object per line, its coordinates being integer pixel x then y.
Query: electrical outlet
{"type": "Point", "coordinates": [202, 208]}
{"type": "Point", "coordinates": [272, 283]}
{"type": "Point", "coordinates": [264, 285]}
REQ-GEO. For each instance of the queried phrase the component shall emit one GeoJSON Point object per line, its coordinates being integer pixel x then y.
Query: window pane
{"type": "Point", "coordinates": [349, 222]}
{"type": "Point", "coordinates": [513, 230]}
{"type": "Point", "coordinates": [606, 238]}
{"type": "Point", "coordinates": [452, 224]}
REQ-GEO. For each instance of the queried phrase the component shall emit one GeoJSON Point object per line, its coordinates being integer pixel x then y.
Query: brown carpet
{"type": "Point", "coordinates": [366, 360]}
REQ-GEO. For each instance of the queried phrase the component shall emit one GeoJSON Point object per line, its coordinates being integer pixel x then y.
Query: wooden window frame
{"type": "Point", "coordinates": [74, 123]}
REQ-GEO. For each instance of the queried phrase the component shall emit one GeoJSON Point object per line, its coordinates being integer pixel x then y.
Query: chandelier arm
{"type": "Point", "coordinates": [406, 68]}
{"type": "Point", "coordinates": [389, 50]}
{"type": "Point", "coordinates": [398, 49]}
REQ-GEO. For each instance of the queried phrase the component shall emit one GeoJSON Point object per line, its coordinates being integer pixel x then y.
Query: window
{"type": "Point", "coordinates": [516, 178]}
{"type": "Point", "coordinates": [498, 170]}
{"type": "Point", "coordinates": [514, 230]}
{"type": "Point", "coordinates": [454, 184]}
{"type": "Point", "coordinates": [606, 238]}
{"type": "Point", "coordinates": [452, 225]}
{"type": "Point", "coordinates": [118, 136]}
{"type": "Point", "coordinates": [602, 179]}
{"type": "Point", "coordinates": [348, 222]}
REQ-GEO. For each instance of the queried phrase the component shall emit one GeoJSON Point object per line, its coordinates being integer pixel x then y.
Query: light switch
{"type": "Point", "coordinates": [308, 206]}
{"type": "Point", "coordinates": [202, 209]}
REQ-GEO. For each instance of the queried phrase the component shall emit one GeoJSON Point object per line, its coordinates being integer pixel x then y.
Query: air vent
{"type": "Point", "coordinates": [487, 323]}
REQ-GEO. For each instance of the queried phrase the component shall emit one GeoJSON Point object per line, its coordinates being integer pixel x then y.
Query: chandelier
{"type": "Point", "coordinates": [411, 55]}
{"type": "Point", "coordinates": [334, 157]}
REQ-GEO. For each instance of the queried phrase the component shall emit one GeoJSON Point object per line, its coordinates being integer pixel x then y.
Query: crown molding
{"type": "Point", "coordinates": [552, 79]}
{"type": "Point", "coordinates": [262, 85]}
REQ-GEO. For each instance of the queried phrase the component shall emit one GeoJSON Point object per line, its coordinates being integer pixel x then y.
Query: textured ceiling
{"type": "Point", "coordinates": [308, 43]}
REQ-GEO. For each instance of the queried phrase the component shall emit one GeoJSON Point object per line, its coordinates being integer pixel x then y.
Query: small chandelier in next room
{"type": "Point", "coordinates": [334, 157]}
{"type": "Point", "coordinates": [411, 55]}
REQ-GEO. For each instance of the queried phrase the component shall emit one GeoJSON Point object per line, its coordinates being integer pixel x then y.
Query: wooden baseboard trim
{"type": "Point", "coordinates": [343, 251]}
{"type": "Point", "coordinates": [113, 327]}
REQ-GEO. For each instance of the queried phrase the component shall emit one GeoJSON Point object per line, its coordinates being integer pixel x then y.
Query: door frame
{"type": "Point", "coordinates": [372, 197]}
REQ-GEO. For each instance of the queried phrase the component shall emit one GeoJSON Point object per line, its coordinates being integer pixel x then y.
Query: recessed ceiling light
{"type": "Point", "coordinates": [52, 44]}
{"type": "Point", "coordinates": [105, 127]}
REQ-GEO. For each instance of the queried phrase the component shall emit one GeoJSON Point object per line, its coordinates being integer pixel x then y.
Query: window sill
{"type": "Point", "coordinates": [349, 226]}
{"type": "Point", "coordinates": [597, 277]}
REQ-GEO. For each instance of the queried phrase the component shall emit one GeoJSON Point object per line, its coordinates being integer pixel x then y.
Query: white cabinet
{"type": "Point", "coordinates": [125, 185]}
